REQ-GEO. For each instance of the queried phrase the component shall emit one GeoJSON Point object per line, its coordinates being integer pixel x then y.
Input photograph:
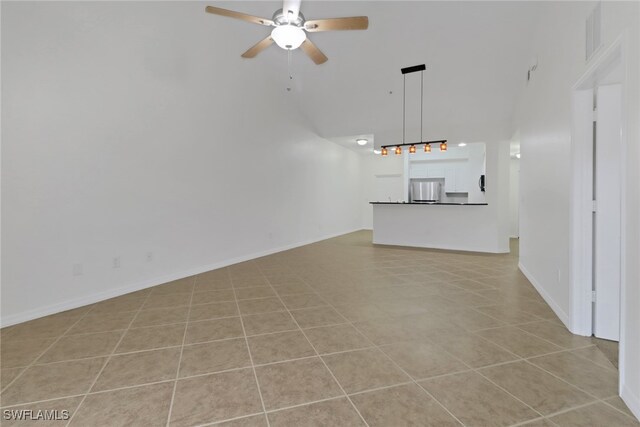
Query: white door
{"type": "Point", "coordinates": [607, 221]}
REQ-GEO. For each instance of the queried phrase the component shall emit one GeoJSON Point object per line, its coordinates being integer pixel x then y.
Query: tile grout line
{"type": "Point", "coordinates": [246, 342]}
{"type": "Point", "coordinates": [524, 423]}
{"type": "Point", "coordinates": [380, 349]}
{"type": "Point", "coordinates": [410, 377]}
{"type": "Point", "coordinates": [477, 371]}
{"type": "Point", "coordinates": [527, 360]}
{"type": "Point", "coordinates": [106, 362]}
{"type": "Point", "coordinates": [55, 341]}
{"type": "Point", "coordinates": [470, 369]}
{"type": "Point", "coordinates": [241, 417]}
{"type": "Point", "coordinates": [184, 337]}
{"type": "Point", "coordinates": [507, 324]}
{"type": "Point", "coordinates": [519, 358]}
{"type": "Point", "coordinates": [316, 350]}
{"type": "Point", "coordinates": [399, 367]}
{"type": "Point", "coordinates": [613, 407]}
{"type": "Point", "coordinates": [593, 396]}
{"type": "Point", "coordinates": [171, 380]}
{"type": "Point", "coordinates": [573, 408]}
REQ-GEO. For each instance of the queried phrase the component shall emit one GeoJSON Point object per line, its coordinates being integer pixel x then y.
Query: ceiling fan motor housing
{"type": "Point", "coordinates": [279, 18]}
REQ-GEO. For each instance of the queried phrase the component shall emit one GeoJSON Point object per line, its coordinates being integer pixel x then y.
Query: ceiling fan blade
{"type": "Point", "coordinates": [291, 6]}
{"type": "Point", "coordinates": [336, 24]}
{"type": "Point", "coordinates": [258, 47]}
{"type": "Point", "coordinates": [313, 52]}
{"type": "Point", "coordinates": [238, 15]}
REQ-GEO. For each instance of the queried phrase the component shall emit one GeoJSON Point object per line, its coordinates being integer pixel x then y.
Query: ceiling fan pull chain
{"type": "Point", "coordinates": [289, 70]}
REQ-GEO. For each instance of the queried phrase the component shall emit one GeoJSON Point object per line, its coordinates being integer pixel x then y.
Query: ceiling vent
{"type": "Point", "coordinates": [594, 30]}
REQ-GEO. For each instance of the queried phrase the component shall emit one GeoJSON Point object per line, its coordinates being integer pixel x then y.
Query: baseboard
{"type": "Point", "coordinates": [445, 248]}
{"type": "Point", "coordinates": [112, 293]}
{"type": "Point", "coordinates": [632, 401]}
{"type": "Point", "coordinates": [564, 317]}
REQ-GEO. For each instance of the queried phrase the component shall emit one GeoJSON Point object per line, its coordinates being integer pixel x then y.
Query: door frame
{"type": "Point", "coordinates": [581, 238]}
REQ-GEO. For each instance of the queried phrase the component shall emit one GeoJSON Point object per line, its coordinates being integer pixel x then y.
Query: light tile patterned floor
{"type": "Point", "coordinates": [335, 333]}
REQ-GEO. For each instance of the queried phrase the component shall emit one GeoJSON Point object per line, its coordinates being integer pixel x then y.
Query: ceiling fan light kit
{"type": "Point", "coordinates": [288, 36]}
{"type": "Point", "coordinates": [291, 29]}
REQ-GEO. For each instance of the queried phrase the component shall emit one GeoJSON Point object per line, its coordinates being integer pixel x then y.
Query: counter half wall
{"type": "Point", "coordinates": [461, 227]}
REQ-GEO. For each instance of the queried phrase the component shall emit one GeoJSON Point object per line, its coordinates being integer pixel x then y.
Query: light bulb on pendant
{"type": "Point", "coordinates": [384, 151]}
{"type": "Point", "coordinates": [398, 150]}
{"type": "Point", "coordinates": [412, 149]}
{"type": "Point", "coordinates": [288, 36]}
{"type": "Point", "coordinates": [427, 148]}
{"type": "Point", "coordinates": [443, 146]}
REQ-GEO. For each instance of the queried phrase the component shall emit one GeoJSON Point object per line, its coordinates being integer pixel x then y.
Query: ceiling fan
{"type": "Point", "coordinates": [290, 26]}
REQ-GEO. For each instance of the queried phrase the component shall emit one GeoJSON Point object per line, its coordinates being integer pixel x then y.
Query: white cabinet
{"type": "Point", "coordinates": [462, 179]}
{"type": "Point", "coordinates": [425, 170]}
{"type": "Point", "coordinates": [456, 178]}
{"type": "Point", "coordinates": [454, 173]}
{"type": "Point", "coordinates": [450, 180]}
{"type": "Point", "coordinates": [435, 171]}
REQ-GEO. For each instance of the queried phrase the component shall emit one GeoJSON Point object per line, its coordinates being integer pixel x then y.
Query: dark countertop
{"type": "Point", "coordinates": [429, 203]}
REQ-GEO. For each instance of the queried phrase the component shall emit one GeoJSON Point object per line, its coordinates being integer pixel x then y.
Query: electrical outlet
{"type": "Point", "coordinates": [77, 269]}
{"type": "Point", "coordinates": [116, 262]}
{"type": "Point", "coordinates": [149, 256]}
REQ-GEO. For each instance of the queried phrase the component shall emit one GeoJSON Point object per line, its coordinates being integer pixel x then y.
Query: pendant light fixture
{"type": "Point", "coordinates": [412, 145]}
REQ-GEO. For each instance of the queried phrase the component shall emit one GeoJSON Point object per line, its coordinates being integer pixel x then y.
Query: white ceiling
{"type": "Point", "coordinates": [476, 55]}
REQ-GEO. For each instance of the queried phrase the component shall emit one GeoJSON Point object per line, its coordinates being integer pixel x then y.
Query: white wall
{"type": "Point", "coordinates": [376, 165]}
{"type": "Point", "coordinates": [514, 195]}
{"type": "Point", "coordinates": [124, 132]}
{"type": "Point", "coordinates": [544, 122]}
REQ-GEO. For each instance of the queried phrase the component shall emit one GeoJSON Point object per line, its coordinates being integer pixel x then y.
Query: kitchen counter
{"type": "Point", "coordinates": [428, 203]}
{"type": "Point", "coordinates": [447, 226]}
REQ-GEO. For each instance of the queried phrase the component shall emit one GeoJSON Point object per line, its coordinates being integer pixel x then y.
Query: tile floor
{"type": "Point", "coordinates": [335, 333]}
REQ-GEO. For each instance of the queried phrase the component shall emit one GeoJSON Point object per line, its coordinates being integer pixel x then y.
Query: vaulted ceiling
{"type": "Point", "coordinates": [476, 53]}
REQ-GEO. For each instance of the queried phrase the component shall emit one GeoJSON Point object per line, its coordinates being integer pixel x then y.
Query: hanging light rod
{"type": "Point", "coordinates": [440, 141]}
{"type": "Point", "coordinates": [412, 145]}
{"type": "Point", "coordinates": [413, 69]}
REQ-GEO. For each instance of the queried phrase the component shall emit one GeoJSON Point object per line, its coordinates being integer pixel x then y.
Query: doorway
{"type": "Point", "coordinates": [606, 211]}
{"type": "Point", "coordinates": [597, 200]}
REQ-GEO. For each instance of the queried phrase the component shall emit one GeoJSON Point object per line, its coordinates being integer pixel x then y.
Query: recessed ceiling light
{"type": "Point", "coordinates": [361, 141]}
{"type": "Point", "coordinates": [462, 144]}
{"type": "Point", "coordinates": [517, 155]}
{"type": "Point", "coordinates": [377, 151]}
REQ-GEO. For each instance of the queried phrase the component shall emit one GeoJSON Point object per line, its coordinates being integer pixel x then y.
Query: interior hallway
{"type": "Point", "coordinates": [337, 333]}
